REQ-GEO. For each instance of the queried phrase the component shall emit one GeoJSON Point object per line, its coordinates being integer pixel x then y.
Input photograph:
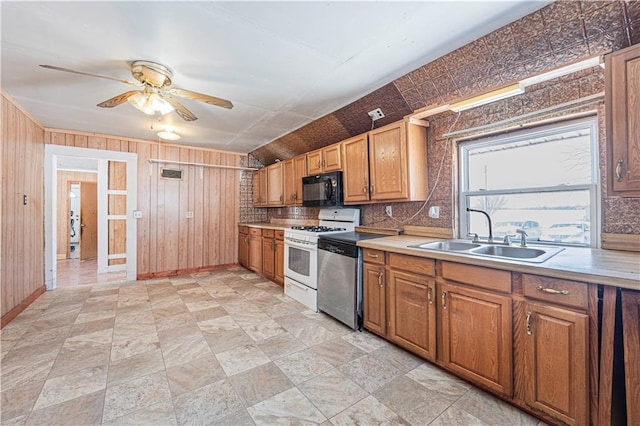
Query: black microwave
{"type": "Point", "coordinates": [323, 190]}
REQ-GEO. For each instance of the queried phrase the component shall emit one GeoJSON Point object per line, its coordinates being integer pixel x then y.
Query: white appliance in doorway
{"type": "Point", "coordinates": [301, 253]}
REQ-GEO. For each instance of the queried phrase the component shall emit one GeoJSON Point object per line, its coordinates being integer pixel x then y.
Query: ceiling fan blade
{"type": "Point", "coordinates": [183, 112]}
{"type": "Point", "coordinates": [117, 100]}
{"type": "Point", "coordinates": [89, 74]}
{"type": "Point", "coordinates": [211, 100]}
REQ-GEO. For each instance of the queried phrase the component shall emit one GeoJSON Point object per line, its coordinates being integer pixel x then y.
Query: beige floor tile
{"type": "Point", "coordinates": [207, 404]}
{"type": "Point", "coordinates": [195, 374]}
{"type": "Point", "coordinates": [281, 346]}
{"type": "Point", "coordinates": [19, 374]}
{"type": "Point", "coordinates": [241, 359]}
{"type": "Point", "coordinates": [455, 416]}
{"type": "Point", "coordinates": [208, 313]}
{"type": "Point", "coordinates": [226, 340]}
{"type": "Point", "coordinates": [19, 400]}
{"type": "Point", "coordinates": [125, 348]}
{"type": "Point", "coordinates": [370, 373]}
{"type": "Point", "coordinates": [179, 348]}
{"type": "Point", "coordinates": [398, 358]}
{"type": "Point", "coordinates": [156, 414]}
{"type": "Point", "coordinates": [332, 392]}
{"type": "Point", "coordinates": [337, 351]}
{"type": "Point", "coordinates": [237, 418]}
{"type": "Point", "coordinates": [302, 366]}
{"type": "Point", "coordinates": [174, 321]}
{"type": "Point", "coordinates": [368, 411]}
{"type": "Point", "coordinates": [491, 410]}
{"type": "Point", "coordinates": [411, 401]}
{"type": "Point", "coordinates": [260, 383]}
{"type": "Point", "coordinates": [71, 386]}
{"type": "Point", "coordinates": [131, 330]}
{"type": "Point", "coordinates": [436, 379]}
{"type": "Point", "coordinates": [312, 335]}
{"type": "Point", "coordinates": [365, 341]}
{"type": "Point", "coordinates": [90, 327]}
{"type": "Point", "coordinates": [79, 355]}
{"type": "Point", "coordinates": [128, 397]}
{"type": "Point", "coordinates": [84, 410]}
{"type": "Point", "coordinates": [95, 315]}
{"type": "Point", "coordinates": [288, 407]}
{"type": "Point", "coordinates": [264, 330]}
{"type": "Point", "coordinates": [135, 366]}
{"type": "Point", "coordinates": [219, 324]}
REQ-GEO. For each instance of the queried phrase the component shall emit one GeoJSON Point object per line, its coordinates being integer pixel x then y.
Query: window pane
{"type": "Point", "coordinates": [540, 160]}
{"type": "Point", "coordinates": [546, 216]}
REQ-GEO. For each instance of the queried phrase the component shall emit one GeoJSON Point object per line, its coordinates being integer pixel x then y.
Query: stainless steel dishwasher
{"type": "Point", "coordinates": [340, 276]}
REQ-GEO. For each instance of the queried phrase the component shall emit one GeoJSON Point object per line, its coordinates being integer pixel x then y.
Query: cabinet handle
{"type": "Point", "coordinates": [375, 256]}
{"type": "Point", "coordinates": [324, 163]}
{"type": "Point", "coordinates": [429, 296]}
{"type": "Point", "coordinates": [364, 189]}
{"type": "Point", "coordinates": [551, 290]}
{"type": "Point", "coordinates": [619, 170]}
{"type": "Point", "coordinates": [444, 300]}
{"type": "Point", "coordinates": [281, 198]}
{"type": "Point", "coordinates": [529, 324]}
{"type": "Point", "coordinates": [372, 189]}
{"type": "Point", "coordinates": [380, 283]}
{"type": "Point", "coordinates": [319, 164]}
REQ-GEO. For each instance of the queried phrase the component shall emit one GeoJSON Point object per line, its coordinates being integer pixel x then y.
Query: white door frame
{"type": "Point", "coordinates": [51, 154]}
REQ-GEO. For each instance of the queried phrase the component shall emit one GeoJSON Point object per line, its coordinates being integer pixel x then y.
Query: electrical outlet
{"type": "Point", "coordinates": [189, 215]}
{"type": "Point", "coordinates": [389, 211]}
{"type": "Point", "coordinates": [376, 114]}
{"type": "Point", "coordinates": [137, 214]}
{"type": "Point", "coordinates": [296, 210]}
{"type": "Point", "coordinates": [434, 212]}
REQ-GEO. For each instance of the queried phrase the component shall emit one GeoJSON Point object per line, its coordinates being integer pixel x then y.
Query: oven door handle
{"type": "Point", "coordinates": [302, 246]}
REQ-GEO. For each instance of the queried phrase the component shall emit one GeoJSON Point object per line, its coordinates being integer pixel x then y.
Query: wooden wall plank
{"type": "Point", "coordinates": [197, 231]}
{"type": "Point", "coordinates": [183, 195]}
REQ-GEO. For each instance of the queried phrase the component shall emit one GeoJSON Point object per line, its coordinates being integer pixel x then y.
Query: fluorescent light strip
{"type": "Point", "coordinates": [486, 98]}
{"type": "Point", "coordinates": [559, 72]}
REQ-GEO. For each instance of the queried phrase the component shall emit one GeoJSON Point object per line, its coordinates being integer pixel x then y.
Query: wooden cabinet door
{"type": "Point", "coordinates": [623, 120]}
{"type": "Point", "coordinates": [314, 162]}
{"type": "Point", "coordinates": [300, 169]}
{"type": "Point", "coordinates": [289, 180]}
{"type": "Point", "coordinates": [477, 336]}
{"type": "Point", "coordinates": [557, 362]}
{"type": "Point", "coordinates": [279, 262]}
{"type": "Point", "coordinates": [412, 314]}
{"type": "Point", "coordinates": [388, 162]}
{"type": "Point", "coordinates": [268, 257]}
{"type": "Point", "coordinates": [275, 188]}
{"type": "Point", "coordinates": [374, 299]}
{"type": "Point", "coordinates": [262, 186]}
{"type": "Point", "coordinates": [243, 249]}
{"type": "Point", "coordinates": [631, 338]}
{"type": "Point", "coordinates": [355, 172]}
{"type": "Point", "coordinates": [331, 158]}
{"type": "Point", "coordinates": [256, 188]}
{"type": "Point", "coordinates": [255, 253]}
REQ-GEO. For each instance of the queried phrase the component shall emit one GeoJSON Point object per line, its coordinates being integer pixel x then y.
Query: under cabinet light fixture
{"type": "Point", "coordinates": [559, 72]}
{"type": "Point", "coordinates": [486, 98]}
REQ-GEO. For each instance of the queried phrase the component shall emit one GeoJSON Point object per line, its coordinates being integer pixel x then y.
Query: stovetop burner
{"type": "Point", "coordinates": [317, 228]}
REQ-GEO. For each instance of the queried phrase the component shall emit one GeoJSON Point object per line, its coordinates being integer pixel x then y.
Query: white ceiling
{"type": "Point", "coordinates": [282, 64]}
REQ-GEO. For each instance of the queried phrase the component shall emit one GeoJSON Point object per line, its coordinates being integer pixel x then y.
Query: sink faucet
{"type": "Point", "coordinates": [523, 241]}
{"type": "Point", "coordinates": [488, 220]}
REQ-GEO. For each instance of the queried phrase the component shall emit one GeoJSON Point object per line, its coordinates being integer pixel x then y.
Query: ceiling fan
{"type": "Point", "coordinates": [156, 94]}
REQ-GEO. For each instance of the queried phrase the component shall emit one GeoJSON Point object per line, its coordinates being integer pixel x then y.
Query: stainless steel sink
{"type": "Point", "coordinates": [448, 245]}
{"type": "Point", "coordinates": [536, 254]}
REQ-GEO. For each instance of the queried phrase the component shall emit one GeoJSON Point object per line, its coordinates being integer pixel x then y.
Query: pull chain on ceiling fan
{"type": "Point", "coordinates": [156, 95]}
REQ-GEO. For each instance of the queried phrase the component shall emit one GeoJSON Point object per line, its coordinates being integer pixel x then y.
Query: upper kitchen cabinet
{"type": "Point", "coordinates": [327, 159]}
{"type": "Point", "coordinates": [260, 188]}
{"type": "Point", "coordinates": [386, 164]}
{"type": "Point", "coordinates": [623, 121]}
{"type": "Point", "coordinates": [275, 187]}
{"type": "Point", "coordinates": [294, 170]}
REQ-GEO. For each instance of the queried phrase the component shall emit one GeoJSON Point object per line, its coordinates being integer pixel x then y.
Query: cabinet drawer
{"type": "Point", "coordinates": [415, 264]}
{"type": "Point", "coordinates": [373, 256]}
{"type": "Point", "coordinates": [255, 231]}
{"type": "Point", "coordinates": [243, 229]}
{"type": "Point", "coordinates": [269, 233]}
{"type": "Point", "coordinates": [557, 291]}
{"type": "Point", "coordinates": [280, 234]}
{"type": "Point", "coordinates": [491, 279]}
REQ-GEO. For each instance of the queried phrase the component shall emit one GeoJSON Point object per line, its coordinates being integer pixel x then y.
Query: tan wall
{"type": "Point", "coordinates": [167, 240]}
{"type": "Point", "coordinates": [65, 178]}
{"type": "Point", "coordinates": [21, 228]}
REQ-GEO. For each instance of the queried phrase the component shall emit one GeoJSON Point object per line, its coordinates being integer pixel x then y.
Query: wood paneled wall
{"type": "Point", "coordinates": [21, 228]}
{"type": "Point", "coordinates": [65, 178]}
{"type": "Point", "coordinates": [167, 240]}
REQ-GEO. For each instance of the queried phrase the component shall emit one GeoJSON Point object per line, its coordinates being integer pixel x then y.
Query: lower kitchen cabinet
{"type": "Point", "coordinates": [255, 249]}
{"type": "Point", "coordinates": [477, 336]}
{"type": "Point", "coordinates": [412, 313]}
{"type": "Point", "coordinates": [631, 338]}
{"type": "Point", "coordinates": [374, 300]}
{"type": "Point", "coordinates": [268, 253]}
{"type": "Point", "coordinates": [243, 246]}
{"type": "Point", "coordinates": [279, 253]}
{"type": "Point", "coordinates": [556, 367]}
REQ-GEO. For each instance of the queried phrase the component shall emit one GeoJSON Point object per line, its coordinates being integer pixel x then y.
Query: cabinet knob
{"type": "Point", "coordinates": [529, 324]}
{"type": "Point", "coordinates": [619, 170]}
{"type": "Point", "coordinates": [364, 189]}
{"type": "Point", "coordinates": [444, 300]}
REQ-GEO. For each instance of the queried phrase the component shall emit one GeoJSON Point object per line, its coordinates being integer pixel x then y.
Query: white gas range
{"type": "Point", "coordinates": [301, 253]}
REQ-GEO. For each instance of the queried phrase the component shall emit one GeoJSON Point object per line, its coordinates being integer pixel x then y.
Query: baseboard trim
{"type": "Point", "coordinates": [6, 318]}
{"type": "Point", "coordinates": [173, 273]}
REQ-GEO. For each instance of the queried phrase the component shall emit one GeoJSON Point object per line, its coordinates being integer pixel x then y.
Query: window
{"type": "Point", "coordinates": [542, 180]}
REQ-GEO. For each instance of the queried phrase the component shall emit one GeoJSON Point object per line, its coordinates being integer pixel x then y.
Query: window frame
{"type": "Point", "coordinates": [593, 188]}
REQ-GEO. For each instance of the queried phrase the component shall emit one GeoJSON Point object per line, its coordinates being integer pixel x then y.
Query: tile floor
{"type": "Point", "coordinates": [223, 348]}
{"type": "Point", "coordinates": [73, 272]}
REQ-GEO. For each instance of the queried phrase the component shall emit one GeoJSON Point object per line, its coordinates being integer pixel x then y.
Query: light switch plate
{"type": "Point", "coordinates": [189, 215]}
{"type": "Point", "coordinates": [434, 212]}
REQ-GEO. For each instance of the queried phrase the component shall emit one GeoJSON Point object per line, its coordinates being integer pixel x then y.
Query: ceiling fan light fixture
{"type": "Point", "coordinates": [150, 103]}
{"type": "Point", "coordinates": [169, 135]}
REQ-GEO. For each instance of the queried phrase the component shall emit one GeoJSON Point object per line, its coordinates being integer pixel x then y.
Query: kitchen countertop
{"type": "Point", "coordinates": [608, 267]}
{"type": "Point", "coordinates": [266, 225]}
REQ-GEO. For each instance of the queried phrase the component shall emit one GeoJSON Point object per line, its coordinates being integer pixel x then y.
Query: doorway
{"type": "Point", "coordinates": [82, 245]}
